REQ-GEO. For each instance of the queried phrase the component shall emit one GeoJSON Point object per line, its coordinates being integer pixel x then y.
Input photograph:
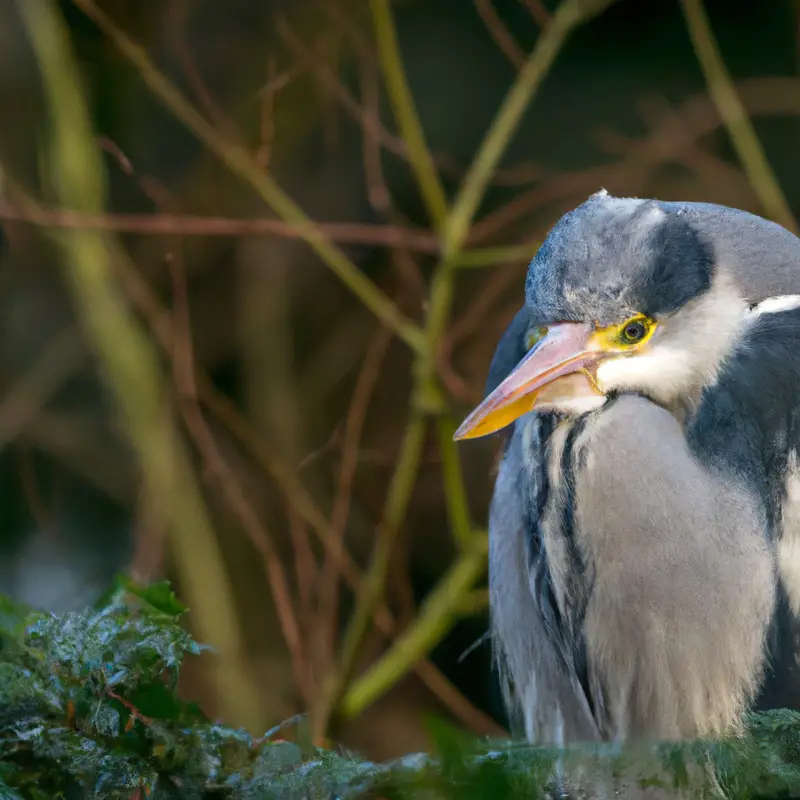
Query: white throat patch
{"type": "Point", "coordinates": [686, 352]}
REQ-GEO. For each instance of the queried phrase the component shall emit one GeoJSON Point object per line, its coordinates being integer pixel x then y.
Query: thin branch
{"type": "Point", "coordinates": [774, 96]}
{"type": "Point", "coordinates": [569, 15]}
{"type": "Point", "coordinates": [354, 425]}
{"type": "Point", "coordinates": [405, 113]}
{"type": "Point", "coordinates": [175, 25]}
{"type": "Point", "coordinates": [441, 609]}
{"type": "Point", "coordinates": [329, 582]}
{"type": "Point", "coordinates": [461, 708]}
{"type": "Point", "coordinates": [538, 11]}
{"type": "Point", "coordinates": [378, 193]}
{"type": "Point", "coordinates": [373, 586]}
{"type": "Point", "coordinates": [327, 77]}
{"type": "Point", "coordinates": [59, 361]}
{"type": "Point", "coordinates": [186, 225]}
{"type": "Point", "coordinates": [495, 256]}
{"type": "Point", "coordinates": [241, 163]}
{"type": "Point", "coordinates": [391, 236]}
{"type": "Point", "coordinates": [738, 124]}
{"type": "Point", "coordinates": [455, 492]}
{"type": "Point", "coordinates": [500, 33]}
{"type": "Point", "coordinates": [217, 466]}
{"type": "Point", "coordinates": [266, 118]}
{"type": "Point", "coordinates": [306, 571]}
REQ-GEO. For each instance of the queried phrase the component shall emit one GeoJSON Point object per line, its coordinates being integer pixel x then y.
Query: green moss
{"type": "Point", "coordinates": [88, 709]}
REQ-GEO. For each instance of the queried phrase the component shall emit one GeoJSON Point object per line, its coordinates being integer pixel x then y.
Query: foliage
{"type": "Point", "coordinates": [88, 708]}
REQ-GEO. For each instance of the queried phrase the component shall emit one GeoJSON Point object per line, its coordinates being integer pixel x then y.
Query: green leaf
{"type": "Point", "coordinates": [159, 596]}
{"type": "Point", "coordinates": [156, 700]}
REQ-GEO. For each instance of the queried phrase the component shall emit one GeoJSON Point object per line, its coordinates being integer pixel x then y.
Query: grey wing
{"type": "Point", "coordinates": [536, 664]}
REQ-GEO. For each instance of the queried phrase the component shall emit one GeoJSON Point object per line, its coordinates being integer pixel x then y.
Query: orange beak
{"type": "Point", "coordinates": [558, 368]}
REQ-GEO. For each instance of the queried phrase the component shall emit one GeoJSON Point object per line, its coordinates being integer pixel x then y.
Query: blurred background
{"type": "Point", "coordinates": [191, 390]}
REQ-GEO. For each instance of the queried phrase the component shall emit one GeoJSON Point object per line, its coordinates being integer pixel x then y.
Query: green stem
{"type": "Point", "coordinates": [436, 617]}
{"type": "Point", "coordinates": [455, 491]}
{"type": "Point", "coordinates": [373, 586]}
{"type": "Point", "coordinates": [492, 256]}
{"type": "Point", "coordinates": [568, 15]}
{"type": "Point", "coordinates": [743, 136]}
{"type": "Point", "coordinates": [405, 113]}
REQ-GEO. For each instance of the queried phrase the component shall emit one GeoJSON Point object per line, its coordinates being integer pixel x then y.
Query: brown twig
{"type": "Point", "coordinates": [377, 192]}
{"type": "Point", "coordinates": [42, 515]}
{"type": "Point", "coordinates": [772, 96]}
{"type": "Point", "coordinates": [541, 16]}
{"type": "Point", "coordinates": [176, 23]}
{"type": "Point", "coordinates": [354, 425]}
{"type": "Point", "coordinates": [267, 115]}
{"type": "Point", "coordinates": [327, 78]}
{"type": "Point", "coordinates": [515, 175]}
{"type": "Point", "coordinates": [307, 573]}
{"type": "Point", "coordinates": [150, 536]}
{"type": "Point", "coordinates": [500, 33]}
{"type": "Point", "coordinates": [186, 225]}
{"type": "Point", "coordinates": [318, 452]}
{"type": "Point", "coordinates": [132, 710]}
{"type": "Point", "coordinates": [216, 465]}
{"type": "Point", "coordinates": [59, 361]}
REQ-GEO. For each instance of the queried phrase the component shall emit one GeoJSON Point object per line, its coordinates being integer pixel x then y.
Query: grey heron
{"type": "Point", "coordinates": [644, 565]}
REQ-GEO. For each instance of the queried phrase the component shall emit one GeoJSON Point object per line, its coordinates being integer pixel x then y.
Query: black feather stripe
{"type": "Point", "coordinates": [564, 626]}
{"type": "Point", "coordinates": [580, 576]}
{"type": "Point", "coordinates": [538, 563]}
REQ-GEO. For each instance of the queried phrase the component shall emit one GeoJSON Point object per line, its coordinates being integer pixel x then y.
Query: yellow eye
{"type": "Point", "coordinates": [535, 336]}
{"type": "Point", "coordinates": [634, 331]}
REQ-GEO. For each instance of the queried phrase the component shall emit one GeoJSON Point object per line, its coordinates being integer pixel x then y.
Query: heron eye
{"type": "Point", "coordinates": [535, 336]}
{"type": "Point", "coordinates": [634, 330]}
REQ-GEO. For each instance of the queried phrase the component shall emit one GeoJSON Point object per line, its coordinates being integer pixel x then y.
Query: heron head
{"type": "Point", "coordinates": [623, 295]}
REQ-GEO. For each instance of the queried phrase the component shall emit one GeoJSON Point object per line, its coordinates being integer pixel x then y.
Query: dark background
{"type": "Point", "coordinates": [322, 390]}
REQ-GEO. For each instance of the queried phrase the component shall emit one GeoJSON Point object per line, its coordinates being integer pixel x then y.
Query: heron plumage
{"type": "Point", "coordinates": [645, 556]}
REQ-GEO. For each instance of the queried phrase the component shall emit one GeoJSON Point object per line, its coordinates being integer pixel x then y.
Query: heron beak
{"type": "Point", "coordinates": [558, 368]}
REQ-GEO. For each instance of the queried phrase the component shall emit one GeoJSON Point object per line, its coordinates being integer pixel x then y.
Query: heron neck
{"type": "Point", "coordinates": [748, 423]}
